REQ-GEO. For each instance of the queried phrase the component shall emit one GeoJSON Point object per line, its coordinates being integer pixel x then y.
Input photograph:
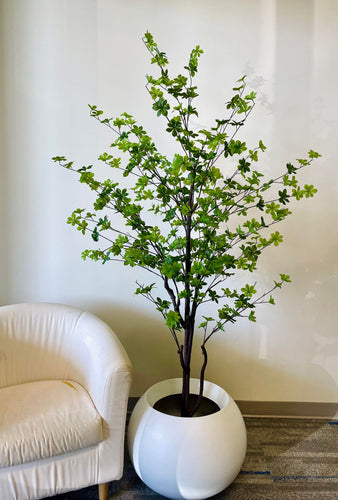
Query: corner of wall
{"type": "Point", "coordinates": [3, 268]}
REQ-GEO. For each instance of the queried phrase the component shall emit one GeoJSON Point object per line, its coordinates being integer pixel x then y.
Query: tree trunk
{"type": "Point", "coordinates": [188, 407]}
{"type": "Point", "coordinates": [188, 341]}
{"type": "Point", "coordinates": [185, 393]}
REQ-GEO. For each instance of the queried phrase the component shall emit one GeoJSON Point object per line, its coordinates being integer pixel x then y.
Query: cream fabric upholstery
{"type": "Point", "coordinates": [50, 344]}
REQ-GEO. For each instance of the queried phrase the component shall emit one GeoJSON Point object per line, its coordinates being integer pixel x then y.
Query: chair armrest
{"type": "Point", "coordinates": [104, 365]}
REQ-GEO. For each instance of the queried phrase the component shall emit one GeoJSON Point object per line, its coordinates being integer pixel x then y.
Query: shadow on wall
{"type": "Point", "coordinates": [153, 355]}
{"type": "Point", "coordinates": [147, 341]}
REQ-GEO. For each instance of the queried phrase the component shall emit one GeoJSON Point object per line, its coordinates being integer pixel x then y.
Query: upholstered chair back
{"type": "Point", "coordinates": [52, 342]}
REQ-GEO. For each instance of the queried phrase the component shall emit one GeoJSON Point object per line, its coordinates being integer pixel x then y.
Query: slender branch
{"type": "Point", "coordinates": [180, 353]}
{"type": "Point", "coordinates": [202, 377]}
{"type": "Point", "coordinates": [151, 299]}
{"type": "Point", "coordinates": [155, 171]}
{"type": "Point", "coordinates": [238, 313]}
{"type": "Point", "coordinates": [173, 300]}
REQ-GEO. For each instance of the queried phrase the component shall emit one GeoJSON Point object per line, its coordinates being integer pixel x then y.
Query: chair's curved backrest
{"type": "Point", "coordinates": [49, 341]}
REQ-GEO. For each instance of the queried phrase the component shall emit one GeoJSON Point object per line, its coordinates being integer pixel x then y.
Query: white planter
{"type": "Point", "coordinates": [186, 458]}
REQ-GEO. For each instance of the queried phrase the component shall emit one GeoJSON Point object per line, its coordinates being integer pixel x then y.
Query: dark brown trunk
{"type": "Point", "coordinates": [185, 393]}
{"type": "Point", "coordinates": [189, 317]}
{"type": "Point", "coordinates": [200, 395]}
{"type": "Point", "coordinates": [187, 409]}
{"type": "Point", "coordinates": [189, 333]}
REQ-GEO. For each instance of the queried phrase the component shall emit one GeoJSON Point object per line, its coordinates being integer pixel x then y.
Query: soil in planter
{"type": "Point", "coordinates": [171, 405]}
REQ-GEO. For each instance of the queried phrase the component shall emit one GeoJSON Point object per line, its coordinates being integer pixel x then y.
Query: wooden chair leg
{"type": "Point", "coordinates": [103, 491]}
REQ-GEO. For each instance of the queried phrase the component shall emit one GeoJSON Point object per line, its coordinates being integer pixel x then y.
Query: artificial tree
{"type": "Point", "coordinates": [212, 221]}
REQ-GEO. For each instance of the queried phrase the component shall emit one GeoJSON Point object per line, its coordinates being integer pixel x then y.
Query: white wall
{"type": "Point", "coordinates": [2, 170]}
{"type": "Point", "coordinates": [61, 55]}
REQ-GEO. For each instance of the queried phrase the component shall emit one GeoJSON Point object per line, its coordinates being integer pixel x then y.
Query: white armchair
{"type": "Point", "coordinates": [64, 385]}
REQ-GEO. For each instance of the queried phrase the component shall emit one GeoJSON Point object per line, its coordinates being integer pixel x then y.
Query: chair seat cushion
{"type": "Point", "coordinates": [41, 419]}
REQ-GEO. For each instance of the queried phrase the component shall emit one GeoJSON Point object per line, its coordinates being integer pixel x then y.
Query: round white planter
{"type": "Point", "coordinates": [186, 458]}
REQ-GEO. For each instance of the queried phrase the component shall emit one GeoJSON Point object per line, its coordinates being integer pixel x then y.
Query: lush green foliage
{"type": "Point", "coordinates": [212, 226]}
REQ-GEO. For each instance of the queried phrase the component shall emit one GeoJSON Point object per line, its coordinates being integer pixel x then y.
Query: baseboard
{"type": "Point", "coordinates": [291, 409]}
{"type": "Point", "coordinates": [286, 409]}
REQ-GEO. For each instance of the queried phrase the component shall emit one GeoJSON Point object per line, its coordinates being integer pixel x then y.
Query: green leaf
{"type": "Point", "coordinates": [144, 290]}
{"type": "Point", "coordinates": [298, 193]}
{"type": "Point", "coordinates": [171, 268]}
{"type": "Point", "coordinates": [252, 316]}
{"type": "Point", "coordinates": [253, 155]}
{"type": "Point", "coordinates": [251, 96]}
{"type": "Point", "coordinates": [58, 159]}
{"type": "Point", "coordinates": [193, 61]}
{"type": "Point", "coordinates": [303, 162]}
{"type": "Point", "coordinates": [242, 79]}
{"type": "Point", "coordinates": [276, 238]}
{"type": "Point", "coordinates": [313, 154]}
{"type": "Point", "coordinates": [248, 290]}
{"type": "Point", "coordinates": [95, 234]}
{"type": "Point", "coordinates": [205, 323]}
{"type": "Point", "coordinates": [236, 147]}
{"type": "Point", "coordinates": [283, 196]}
{"type": "Point", "coordinates": [310, 191]}
{"type": "Point", "coordinates": [290, 168]}
{"type": "Point", "coordinates": [173, 320]}
{"type": "Point", "coordinates": [261, 146]}
{"type": "Point", "coordinates": [243, 166]}
{"type": "Point", "coordinates": [161, 106]}
{"type": "Point", "coordinates": [162, 305]}
{"type": "Point", "coordinates": [105, 157]}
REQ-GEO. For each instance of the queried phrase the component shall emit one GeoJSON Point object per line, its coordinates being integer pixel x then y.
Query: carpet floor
{"type": "Point", "coordinates": [287, 459]}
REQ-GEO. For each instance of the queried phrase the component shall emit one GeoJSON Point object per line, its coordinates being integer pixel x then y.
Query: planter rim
{"type": "Point", "coordinates": [174, 386]}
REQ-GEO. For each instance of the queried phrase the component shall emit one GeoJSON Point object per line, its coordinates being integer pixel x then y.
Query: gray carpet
{"type": "Point", "coordinates": [287, 459]}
